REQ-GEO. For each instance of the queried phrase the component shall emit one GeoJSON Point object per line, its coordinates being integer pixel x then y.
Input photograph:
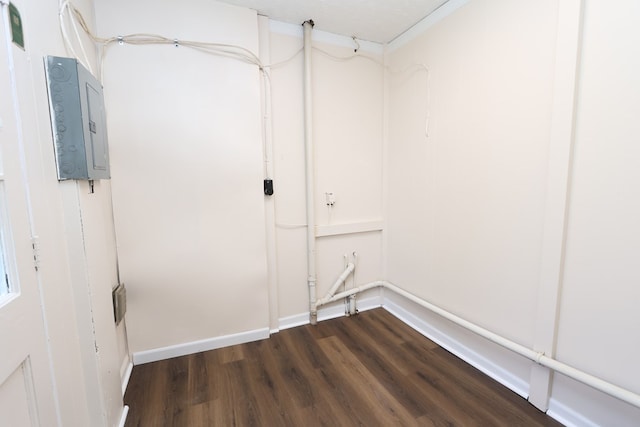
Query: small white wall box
{"type": "Point", "coordinates": [76, 105]}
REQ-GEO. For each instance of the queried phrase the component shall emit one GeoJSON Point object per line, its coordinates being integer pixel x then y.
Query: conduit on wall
{"type": "Point", "coordinates": [339, 281]}
{"type": "Point", "coordinates": [309, 170]}
{"type": "Point", "coordinates": [538, 357]}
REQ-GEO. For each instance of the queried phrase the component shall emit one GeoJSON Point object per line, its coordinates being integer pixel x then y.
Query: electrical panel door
{"type": "Point", "coordinates": [76, 105]}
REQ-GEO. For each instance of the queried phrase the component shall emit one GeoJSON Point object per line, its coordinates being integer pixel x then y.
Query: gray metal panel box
{"type": "Point", "coordinates": [78, 122]}
{"type": "Point", "coordinates": [119, 296]}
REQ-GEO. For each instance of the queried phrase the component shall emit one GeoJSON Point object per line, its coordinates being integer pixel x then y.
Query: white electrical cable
{"type": "Point", "coordinates": [235, 52]}
{"type": "Point", "coordinates": [101, 55]}
{"type": "Point", "coordinates": [355, 40]}
{"type": "Point", "coordinates": [77, 15]}
{"type": "Point", "coordinates": [63, 29]}
{"type": "Point", "coordinates": [82, 49]}
{"type": "Point", "coordinates": [84, 59]}
{"type": "Point", "coordinates": [290, 226]}
{"type": "Point", "coordinates": [355, 55]}
{"type": "Point", "coordinates": [221, 49]}
{"type": "Point", "coordinates": [284, 61]}
{"type": "Point", "coordinates": [418, 67]}
{"type": "Point", "coordinates": [266, 109]}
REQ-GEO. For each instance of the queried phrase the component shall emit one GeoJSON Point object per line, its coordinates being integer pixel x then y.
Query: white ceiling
{"type": "Point", "coordinates": [378, 21]}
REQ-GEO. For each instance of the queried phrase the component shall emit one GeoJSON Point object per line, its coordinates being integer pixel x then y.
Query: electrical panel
{"type": "Point", "coordinates": [76, 106]}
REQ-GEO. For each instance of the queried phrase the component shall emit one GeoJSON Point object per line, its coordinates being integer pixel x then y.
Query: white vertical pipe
{"type": "Point", "coordinates": [309, 167]}
{"type": "Point", "coordinates": [352, 305]}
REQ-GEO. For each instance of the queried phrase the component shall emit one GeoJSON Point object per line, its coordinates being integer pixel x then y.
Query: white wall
{"type": "Point", "coordinates": [468, 206]}
{"type": "Point", "coordinates": [76, 246]}
{"type": "Point", "coordinates": [466, 203]}
{"type": "Point", "coordinates": [347, 134]}
{"type": "Point", "coordinates": [599, 319]}
{"type": "Point", "coordinates": [186, 152]}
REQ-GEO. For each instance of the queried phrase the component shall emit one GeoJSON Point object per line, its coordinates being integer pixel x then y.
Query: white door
{"type": "Point", "coordinates": [27, 397]}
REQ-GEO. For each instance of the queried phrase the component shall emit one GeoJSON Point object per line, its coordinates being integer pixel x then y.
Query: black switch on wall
{"type": "Point", "coordinates": [268, 187]}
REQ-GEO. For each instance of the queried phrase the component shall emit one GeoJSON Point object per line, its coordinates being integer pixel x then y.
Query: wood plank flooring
{"type": "Point", "coordinates": [367, 370]}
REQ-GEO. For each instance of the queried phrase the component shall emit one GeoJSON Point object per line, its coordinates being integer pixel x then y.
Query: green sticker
{"type": "Point", "coordinates": [16, 25]}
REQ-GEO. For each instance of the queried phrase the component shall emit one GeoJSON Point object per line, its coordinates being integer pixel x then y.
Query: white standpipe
{"type": "Point", "coordinates": [339, 281]}
{"type": "Point", "coordinates": [330, 295]}
{"type": "Point", "coordinates": [309, 167]}
{"type": "Point", "coordinates": [352, 306]}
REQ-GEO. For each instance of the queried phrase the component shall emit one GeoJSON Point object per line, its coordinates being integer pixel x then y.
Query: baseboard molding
{"type": "Point", "coordinates": [330, 312]}
{"type": "Point", "coordinates": [410, 314]}
{"type": "Point", "coordinates": [568, 416]}
{"type": "Point", "coordinates": [444, 334]}
{"type": "Point", "coordinates": [198, 346]}
{"type": "Point", "coordinates": [291, 322]}
{"type": "Point", "coordinates": [126, 376]}
{"type": "Point", "coordinates": [123, 417]}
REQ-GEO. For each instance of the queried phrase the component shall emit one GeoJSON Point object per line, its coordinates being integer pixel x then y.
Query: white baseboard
{"type": "Point", "coordinates": [292, 321]}
{"type": "Point", "coordinates": [123, 417]}
{"type": "Point", "coordinates": [330, 312]}
{"type": "Point", "coordinates": [410, 315]}
{"type": "Point", "coordinates": [126, 376]}
{"type": "Point", "coordinates": [568, 416]}
{"type": "Point", "coordinates": [198, 346]}
{"type": "Point", "coordinates": [441, 332]}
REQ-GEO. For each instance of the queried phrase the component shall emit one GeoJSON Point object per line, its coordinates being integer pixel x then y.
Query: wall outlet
{"type": "Point", "coordinates": [331, 199]}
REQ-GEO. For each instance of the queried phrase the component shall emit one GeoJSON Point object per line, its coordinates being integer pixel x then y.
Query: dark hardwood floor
{"type": "Point", "coordinates": [367, 370]}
